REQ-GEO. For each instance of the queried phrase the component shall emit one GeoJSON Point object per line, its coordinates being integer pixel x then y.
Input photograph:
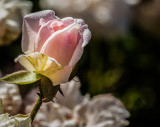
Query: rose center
{"type": "Point", "coordinates": [58, 25]}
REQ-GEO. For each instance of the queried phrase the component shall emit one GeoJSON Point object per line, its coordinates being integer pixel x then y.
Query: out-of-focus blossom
{"type": "Point", "coordinates": [15, 121]}
{"type": "Point", "coordinates": [11, 16]}
{"type": "Point", "coordinates": [132, 2]}
{"type": "Point", "coordinates": [72, 95]}
{"type": "Point", "coordinates": [52, 46]}
{"type": "Point", "coordinates": [30, 99]}
{"type": "Point", "coordinates": [107, 17]}
{"type": "Point", "coordinates": [100, 111]}
{"type": "Point", "coordinates": [9, 93]}
{"type": "Point", "coordinates": [147, 16]}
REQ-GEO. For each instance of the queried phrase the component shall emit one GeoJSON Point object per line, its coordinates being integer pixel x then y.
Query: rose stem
{"type": "Point", "coordinates": [37, 104]}
{"type": "Point", "coordinates": [36, 108]}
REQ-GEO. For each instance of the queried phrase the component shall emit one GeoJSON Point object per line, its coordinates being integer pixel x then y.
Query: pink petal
{"type": "Point", "coordinates": [67, 21]}
{"type": "Point", "coordinates": [86, 36]}
{"type": "Point", "coordinates": [47, 29]}
{"type": "Point", "coordinates": [44, 33]}
{"type": "Point", "coordinates": [31, 26]}
{"type": "Point", "coordinates": [62, 44]}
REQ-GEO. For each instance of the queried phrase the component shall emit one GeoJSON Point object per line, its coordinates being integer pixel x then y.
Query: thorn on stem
{"type": "Point", "coordinates": [44, 99]}
{"type": "Point", "coordinates": [53, 101]}
{"type": "Point", "coordinates": [38, 94]}
{"type": "Point", "coordinates": [75, 80]}
{"type": "Point", "coordinates": [61, 92]}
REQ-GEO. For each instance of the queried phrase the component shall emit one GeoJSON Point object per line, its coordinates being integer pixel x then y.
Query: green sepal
{"type": "Point", "coordinates": [47, 89]}
{"type": "Point", "coordinates": [22, 78]}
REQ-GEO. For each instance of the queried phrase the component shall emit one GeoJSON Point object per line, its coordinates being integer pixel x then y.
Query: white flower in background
{"type": "Point", "coordinates": [132, 2]}
{"type": "Point", "coordinates": [9, 93]}
{"type": "Point", "coordinates": [75, 110]}
{"type": "Point", "coordinates": [10, 102]}
{"type": "Point", "coordinates": [102, 111]}
{"type": "Point", "coordinates": [15, 121]}
{"type": "Point", "coordinates": [72, 95]}
{"type": "Point", "coordinates": [108, 17]}
{"type": "Point", "coordinates": [11, 17]}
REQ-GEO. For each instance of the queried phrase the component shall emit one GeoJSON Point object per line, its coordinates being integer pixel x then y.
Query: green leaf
{"type": "Point", "coordinates": [47, 89]}
{"type": "Point", "coordinates": [22, 78]}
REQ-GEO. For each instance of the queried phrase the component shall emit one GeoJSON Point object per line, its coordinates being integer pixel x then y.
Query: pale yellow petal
{"type": "Point", "coordinates": [44, 65]}
{"type": "Point", "coordinates": [22, 59]}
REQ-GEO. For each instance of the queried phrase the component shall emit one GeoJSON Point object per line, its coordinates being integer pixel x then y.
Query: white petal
{"type": "Point", "coordinates": [61, 76]}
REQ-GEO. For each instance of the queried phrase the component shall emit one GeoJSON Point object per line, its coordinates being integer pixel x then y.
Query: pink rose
{"type": "Point", "coordinates": [62, 40]}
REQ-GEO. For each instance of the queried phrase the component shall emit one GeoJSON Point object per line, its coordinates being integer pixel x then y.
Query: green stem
{"type": "Point", "coordinates": [36, 108]}
{"type": "Point", "coordinates": [1, 107]}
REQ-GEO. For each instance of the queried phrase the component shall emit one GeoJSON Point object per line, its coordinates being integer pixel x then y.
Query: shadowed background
{"type": "Point", "coordinates": [122, 57]}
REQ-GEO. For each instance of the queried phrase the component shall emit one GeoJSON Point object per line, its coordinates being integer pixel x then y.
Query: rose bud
{"type": "Point", "coordinates": [52, 46]}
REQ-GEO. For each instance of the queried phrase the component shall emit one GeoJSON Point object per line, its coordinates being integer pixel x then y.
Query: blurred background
{"type": "Point", "coordinates": [122, 57]}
